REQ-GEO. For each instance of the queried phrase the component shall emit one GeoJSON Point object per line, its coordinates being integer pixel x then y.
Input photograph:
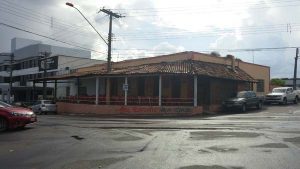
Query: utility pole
{"type": "Point", "coordinates": [11, 69]}
{"type": "Point", "coordinates": [10, 76]}
{"type": "Point", "coordinates": [295, 70]}
{"type": "Point", "coordinates": [111, 15]}
{"type": "Point", "coordinates": [44, 65]}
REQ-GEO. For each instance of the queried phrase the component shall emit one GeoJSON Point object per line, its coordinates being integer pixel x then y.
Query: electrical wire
{"type": "Point", "coordinates": [29, 14]}
{"type": "Point", "coordinates": [20, 29]}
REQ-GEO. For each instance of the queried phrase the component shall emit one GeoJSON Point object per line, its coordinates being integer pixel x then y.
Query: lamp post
{"type": "Point", "coordinates": [107, 43]}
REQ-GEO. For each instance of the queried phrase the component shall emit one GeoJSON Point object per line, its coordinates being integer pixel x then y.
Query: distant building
{"type": "Point", "coordinates": [290, 81]}
{"type": "Point", "coordinates": [27, 66]}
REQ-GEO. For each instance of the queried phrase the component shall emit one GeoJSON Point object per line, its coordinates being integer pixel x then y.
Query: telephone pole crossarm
{"type": "Point", "coordinates": [111, 15]}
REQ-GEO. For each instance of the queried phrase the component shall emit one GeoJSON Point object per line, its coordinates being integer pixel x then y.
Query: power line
{"type": "Point", "coordinates": [266, 49]}
{"type": "Point", "coordinates": [20, 29]}
{"type": "Point", "coordinates": [193, 7]}
{"type": "Point", "coordinates": [180, 10]}
{"type": "Point", "coordinates": [29, 14]}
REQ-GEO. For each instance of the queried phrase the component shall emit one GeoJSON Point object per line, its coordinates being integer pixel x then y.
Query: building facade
{"type": "Point", "coordinates": [290, 82]}
{"type": "Point", "coordinates": [28, 65]}
{"type": "Point", "coordinates": [182, 83]}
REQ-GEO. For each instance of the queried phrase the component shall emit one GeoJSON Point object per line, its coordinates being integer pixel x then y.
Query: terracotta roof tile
{"type": "Point", "coordinates": [190, 67]}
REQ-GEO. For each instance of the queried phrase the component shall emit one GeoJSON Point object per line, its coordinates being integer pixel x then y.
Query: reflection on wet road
{"type": "Point", "coordinates": [259, 139]}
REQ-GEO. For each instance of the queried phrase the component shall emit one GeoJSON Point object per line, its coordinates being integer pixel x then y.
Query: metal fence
{"type": "Point", "coordinates": [131, 100]}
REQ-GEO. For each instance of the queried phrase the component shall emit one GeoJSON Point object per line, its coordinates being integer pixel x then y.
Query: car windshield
{"type": "Point", "coordinates": [49, 102]}
{"type": "Point", "coordinates": [278, 90]}
{"type": "Point", "coordinates": [241, 95]}
{"type": "Point", "coordinates": [3, 104]}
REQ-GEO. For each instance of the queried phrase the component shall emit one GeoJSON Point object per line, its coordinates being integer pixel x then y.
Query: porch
{"type": "Point", "coordinates": [185, 86]}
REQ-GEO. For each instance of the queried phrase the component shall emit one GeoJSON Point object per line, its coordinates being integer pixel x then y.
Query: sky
{"type": "Point", "coordinates": [246, 29]}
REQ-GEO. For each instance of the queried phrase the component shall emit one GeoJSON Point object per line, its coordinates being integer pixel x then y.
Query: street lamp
{"type": "Point", "coordinates": [107, 43]}
{"type": "Point", "coordinates": [111, 15]}
{"type": "Point", "coordinates": [71, 5]}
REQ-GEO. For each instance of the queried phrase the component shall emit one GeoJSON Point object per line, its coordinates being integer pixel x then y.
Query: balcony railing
{"type": "Point", "coordinates": [131, 100]}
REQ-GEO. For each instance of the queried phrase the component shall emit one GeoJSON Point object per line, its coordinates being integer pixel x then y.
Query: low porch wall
{"type": "Point", "coordinates": [215, 108]}
{"type": "Point", "coordinates": [118, 110]}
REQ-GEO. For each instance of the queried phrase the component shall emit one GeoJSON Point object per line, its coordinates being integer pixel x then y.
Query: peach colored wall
{"type": "Point", "coordinates": [211, 59]}
{"type": "Point", "coordinates": [118, 110]}
{"type": "Point", "coordinates": [134, 62]}
{"type": "Point", "coordinates": [256, 71]}
{"type": "Point", "coordinates": [215, 108]}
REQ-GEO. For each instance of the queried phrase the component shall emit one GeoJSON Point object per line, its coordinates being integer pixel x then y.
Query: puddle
{"type": "Point", "coordinates": [294, 140]}
{"type": "Point", "coordinates": [289, 132]}
{"type": "Point", "coordinates": [77, 137]}
{"type": "Point", "coordinates": [211, 135]}
{"type": "Point", "coordinates": [128, 138]}
{"type": "Point", "coordinates": [271, 145]}
{"type": "Point", "coordinates": [209, 167]}
{"type": "Point", "coordinates": [222, 149]}
{"type": "Point", "coordinates": [201, 151]}
{"type": "Point", "coordinates": [101, 163]}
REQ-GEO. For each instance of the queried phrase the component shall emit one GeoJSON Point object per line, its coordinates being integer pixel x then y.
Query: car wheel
{"type": "Point", "coordinates": [285, 101]}
{"type": "Point", "coordinates": [3, 124]}
{"type": "Point", "coordinates": [40, 111]}
{"type": "Point", "coordinates": [259, 105]}
{"type": "Point", "coordinates": [243, 108]}
{"type": "Point", "coordinates": [296, 100]}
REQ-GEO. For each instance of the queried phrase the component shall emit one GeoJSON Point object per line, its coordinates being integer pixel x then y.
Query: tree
{"type": "Point", "coordinates": [277, 82]}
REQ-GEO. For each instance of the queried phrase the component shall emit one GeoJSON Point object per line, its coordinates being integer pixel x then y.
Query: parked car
{"type": "Point", "coordinates": [23, 104]}
{"type": "Point", "coordinates": [44, 107]}
{"type": "Point", "coordinates": [282, 95]}
{"type": "Point", "coordinates": [14, 117]}
{"type": "Point", "coordinates": [242, 101]}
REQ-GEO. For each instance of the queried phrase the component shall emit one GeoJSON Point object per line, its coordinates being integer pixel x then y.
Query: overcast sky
{"type": "Point", "coordinates": [156, 27]}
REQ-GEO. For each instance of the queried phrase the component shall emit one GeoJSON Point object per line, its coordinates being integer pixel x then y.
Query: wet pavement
{"type": "Point", "coordinates": [264, 139]}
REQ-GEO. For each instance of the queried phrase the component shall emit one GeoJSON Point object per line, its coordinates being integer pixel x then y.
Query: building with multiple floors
{"type": "Point", "coordinates": [28, 65]}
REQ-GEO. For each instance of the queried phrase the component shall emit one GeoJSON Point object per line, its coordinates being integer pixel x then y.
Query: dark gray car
{"type": "Point", "coordinates": [242, 101]}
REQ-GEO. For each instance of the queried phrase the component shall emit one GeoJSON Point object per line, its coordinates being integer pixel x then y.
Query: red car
{"type": "Point", "coordinates": [14, 117]}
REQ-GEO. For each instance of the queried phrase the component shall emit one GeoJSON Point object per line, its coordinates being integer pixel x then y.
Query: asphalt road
{"type": "Point", "coordinates": [264, 139]}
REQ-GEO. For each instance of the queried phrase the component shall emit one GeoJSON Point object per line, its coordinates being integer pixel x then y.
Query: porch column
{"type": "Point", "coordinates": [195, 91]}
{"type": "Point", "coordinates": [33, 93]}
{"type": "Point", "coordinates": [97, 91]}
{"type": "Point", "coordinates": [159, 91]}
{"type": "Point", "coordinates": [126, 91]}
{"type": "Point", "coordinates": [55, 89]}
{"type": "Point", "coordinates": [78, 90]}
{"type": "Point", "coordinates": [107, 93]}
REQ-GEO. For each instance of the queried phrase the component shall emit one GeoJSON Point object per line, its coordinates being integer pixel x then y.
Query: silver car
{"type": "Point", "coordinates": [44, 107]}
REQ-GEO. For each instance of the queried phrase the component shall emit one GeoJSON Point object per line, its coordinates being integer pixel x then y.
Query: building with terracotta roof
{"type": "Point", "coordinates": [184, 83]}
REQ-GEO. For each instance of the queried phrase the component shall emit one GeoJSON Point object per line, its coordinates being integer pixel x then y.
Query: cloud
{"type": "Point", "coordinates": [166, 48]}
{"type": "Point", "coordinates": [157, 27]}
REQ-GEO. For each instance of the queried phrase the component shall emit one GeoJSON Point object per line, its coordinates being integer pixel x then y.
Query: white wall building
{"type": "Point", "coordinates": [27, 56]}
{"type": "Point", "coordinates": [290, 82]}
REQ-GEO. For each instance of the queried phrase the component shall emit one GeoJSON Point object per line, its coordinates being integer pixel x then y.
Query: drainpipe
{"type": "Point", "coordinates": [159, 91]}
{"type": "Point", "coordinates": [78, 89]}
{"type": "Point", "coordinates": [97, 91]}
{"type": "Point", "coordinates": [195, 90]}
{"type": "Point", "coordinates": [55, 90]}
{"type": "Point", "coordinates": [107, 90]}
{"type": "Point", "coordinates": [126, 91]}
